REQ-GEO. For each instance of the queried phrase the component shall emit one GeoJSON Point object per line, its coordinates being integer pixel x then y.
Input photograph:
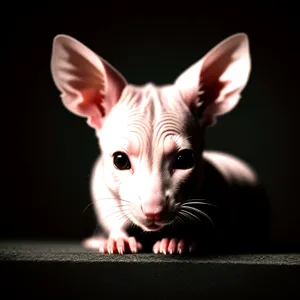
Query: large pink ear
{"type": "Point", "coordinates": [213, 85]}
{"type": "Point", "coordinates": [89, 85]}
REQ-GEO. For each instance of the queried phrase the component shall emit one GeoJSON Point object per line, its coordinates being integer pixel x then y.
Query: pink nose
{"type": "Point", "coordinates": [155, 215]}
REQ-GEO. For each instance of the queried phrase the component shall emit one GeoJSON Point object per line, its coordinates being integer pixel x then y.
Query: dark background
{"type": "Point", "coordinates": [48, 152]}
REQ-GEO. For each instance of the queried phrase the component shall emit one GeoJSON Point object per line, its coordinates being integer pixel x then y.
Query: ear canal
{"type": "Point", "coordinates": [216, 81]}
{"type": "Point", "coordinates": [89, 85]}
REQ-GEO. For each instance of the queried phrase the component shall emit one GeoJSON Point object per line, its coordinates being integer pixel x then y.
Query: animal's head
{"type": "Point", "coordinates": [151, 137]}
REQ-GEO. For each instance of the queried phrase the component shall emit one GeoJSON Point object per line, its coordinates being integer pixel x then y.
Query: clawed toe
{"type": "Point", "coordinates": [173, 246]}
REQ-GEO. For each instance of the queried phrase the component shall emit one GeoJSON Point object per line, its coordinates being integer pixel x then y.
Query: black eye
{"type": "Point", "coordinates": [184, 160]}
{"type": "Point", "coordinates": [121, 161]}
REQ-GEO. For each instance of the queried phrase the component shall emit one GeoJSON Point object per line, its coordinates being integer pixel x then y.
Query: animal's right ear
{"type": "Point", "coordinates": [89, 85]}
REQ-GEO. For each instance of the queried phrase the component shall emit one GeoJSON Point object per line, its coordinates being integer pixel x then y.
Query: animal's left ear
{"type": "Point", "coordinates": [213, 85]}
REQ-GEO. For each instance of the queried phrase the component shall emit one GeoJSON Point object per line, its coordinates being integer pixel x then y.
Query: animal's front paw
{"type": "Point", "coordinates": [174, 246]}
{"type": "Point", "coordinates": [120, 245]}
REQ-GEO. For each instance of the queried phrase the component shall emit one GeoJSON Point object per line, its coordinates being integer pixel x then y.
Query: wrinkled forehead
{"type": "Point", "coordinates": [150, 103]}
{"type": "Point", "coordinates": [150, 113]}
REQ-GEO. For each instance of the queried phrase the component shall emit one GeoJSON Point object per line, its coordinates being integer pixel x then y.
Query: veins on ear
{"type": "Point", "coordinates": [91, 96]}
{"type": "Point", "coordinates": [207, 95]}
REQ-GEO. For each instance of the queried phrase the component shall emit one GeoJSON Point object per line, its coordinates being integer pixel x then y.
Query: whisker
{"type": "Point", "coordinates": [108, 198]}
{"type": "Point", "coordinates": [128, 222]}
{"type": "Point", "coordinates": [193, 215]}
{"type": "Point", "coordinates": [198, 203]}
{"type": "Point", "coordinates": [197, 199]}
{"type": "Point", "coordinates": [190, 215]}
{"type": "Point", "coordinates": [144, 232]}
{"type": "Point", "coordinates": [181, 219]}
{"type": "Point", "coordinates": [118, 216]}
{"type": "Point", "coordinates": [96, 230]}
{"type": "Point", "coordinates": [111, 198]}
{"type": "Point", "coordinates": [126, 205]}
{"type": "Point", "coordinates": [178, 220]}
{"type": "Point", "coordinates": [132, 225]}
{"type": "Point", "coordinates": [114, 212]}
{"type": "Point", "coordinates": [87, 207]}
{"type": "Point", "coordinates": [200, 212]}
{"type": "Point", "coordinates": [172, 223]}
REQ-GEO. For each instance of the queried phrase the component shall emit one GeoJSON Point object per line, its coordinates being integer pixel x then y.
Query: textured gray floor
{"type": "Point", "coordinates": [73, 252]}
{"type": "Point", "coordinates": [39, 270]}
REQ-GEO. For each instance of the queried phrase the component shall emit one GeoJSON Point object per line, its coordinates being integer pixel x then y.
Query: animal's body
{"type": "Point", "coordinates": [154, 185]}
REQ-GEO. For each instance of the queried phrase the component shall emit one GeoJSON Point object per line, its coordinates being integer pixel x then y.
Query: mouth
{"type": "Point", "coordinates": [152, 225]}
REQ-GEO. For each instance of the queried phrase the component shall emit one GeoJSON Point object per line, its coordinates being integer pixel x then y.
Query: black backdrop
{"type": "Point", "coordinates": [48, 152]}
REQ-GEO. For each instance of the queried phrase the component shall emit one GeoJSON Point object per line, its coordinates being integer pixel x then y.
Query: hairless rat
{"type": "Point", "coordinates": [154, 186]}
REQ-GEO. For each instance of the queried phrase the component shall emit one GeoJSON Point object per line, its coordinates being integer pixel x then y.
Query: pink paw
{"type": "Point", "coordinates": [119, 245]}
{"type": "Point", "coordinates": [173, 246]}
{"type": "Point", "coordinates": [113, 245]}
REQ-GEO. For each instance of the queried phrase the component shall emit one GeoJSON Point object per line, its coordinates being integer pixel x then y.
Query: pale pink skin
{"type": "Point", "coordinates": [147, 123]}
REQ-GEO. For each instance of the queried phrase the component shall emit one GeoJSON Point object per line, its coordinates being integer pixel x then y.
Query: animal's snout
{"type": "Point", "coordinates": [153, 213]}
